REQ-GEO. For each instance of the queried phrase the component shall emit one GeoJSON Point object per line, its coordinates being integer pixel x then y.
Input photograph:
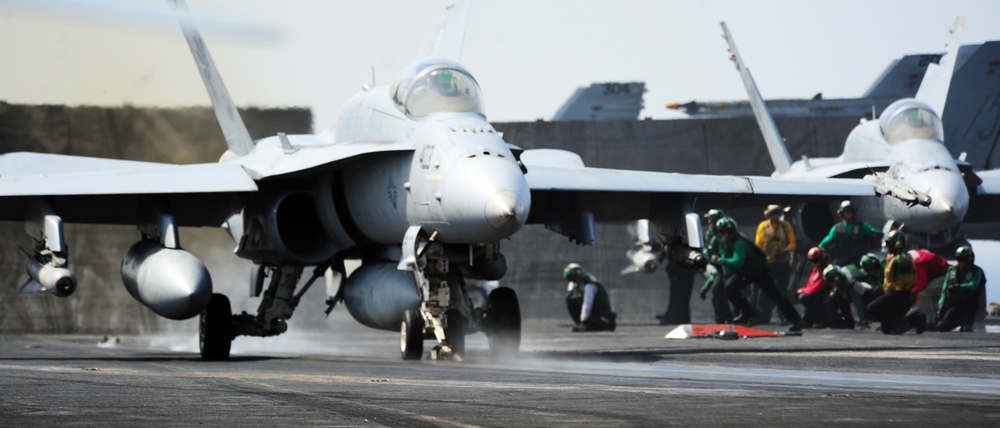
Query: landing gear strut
{"type": "Point", "coordinates": [218, 326]}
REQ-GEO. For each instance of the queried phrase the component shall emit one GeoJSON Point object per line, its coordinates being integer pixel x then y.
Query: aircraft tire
{"type": "Point", "coordinates": [215, 329]}
{"type": "Point", "coordinates": [503, 321]}
{"type": "Point", "coordinates": [411, 335]}
{"type": "Point", "coordinates": [455, 333]}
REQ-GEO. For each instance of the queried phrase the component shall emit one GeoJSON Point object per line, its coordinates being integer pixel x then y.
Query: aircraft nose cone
{"type": "Point", "coordinates": [949, 199]}
{"type": "Point", "coordinates": [485, 199]}
{"type": "Point", "coordinates": [505, 211]}
{"type": "Point", "coordinates": [946, 208]}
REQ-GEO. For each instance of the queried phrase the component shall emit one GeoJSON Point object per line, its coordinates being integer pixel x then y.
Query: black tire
{"type": "Point", "coordinates": [503, 322]}
{"type": "Point", "coordinates": [411, 336]}
{"type": "Point", "coordinates": [215, 329]}
{"type": "Point", "coordinates": [455, 333]}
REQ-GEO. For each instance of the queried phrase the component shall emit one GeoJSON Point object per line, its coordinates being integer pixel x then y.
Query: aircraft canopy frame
{"type": "Point", "coordinates": [437, 85]}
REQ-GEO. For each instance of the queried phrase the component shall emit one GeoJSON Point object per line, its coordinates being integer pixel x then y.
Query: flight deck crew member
{"type": "Point", "coordinates": [900, 276]}
{"type": "Point", "coordinates": [814, 296]}
{"type": "Point", "coordinates": [849, 239]}
{"type": "Point", "coordinates": [715, 281]}
{"type": "Point", "coordinates": [960, 294]}
{"type": "Point", "coordinates": [845, 292]}
{"type": "Point", "coordinates": [587, 301]}
{"type": "Point", "coordinates": [744, 263]}
{"type": "Point", "coordinates": [930, 267]}
{"type": "Point", "coordinates": [776, 238]}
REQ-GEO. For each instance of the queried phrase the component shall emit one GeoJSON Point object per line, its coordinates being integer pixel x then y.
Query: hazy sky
{"type": "Point", "coordinates": [528, 56]}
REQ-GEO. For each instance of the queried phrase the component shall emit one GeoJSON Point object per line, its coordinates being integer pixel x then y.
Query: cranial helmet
{"type": "Point", "coordinates": [725, 225]}
{"type": "Point", "coordinates": [714, 214]}
{"type": "Point", "coordinates": [870, 261]}
{"type": "Point", "coordinates": [572, 271]}
{"type": "Point", "coordinates": [846, 206]}
{"type": "Point", "coordinates": [964, 253]}
{"type": "Point", "coordinates": [816, 254]}
{"type": "Point", "coordinates": [772, 209]}
{"type": "Point", "coordinates": [895, 240]}
{"type": "Point", "coordinates": [831, 273]}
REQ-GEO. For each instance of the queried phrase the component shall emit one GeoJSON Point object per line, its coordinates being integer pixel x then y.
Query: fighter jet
{"type": "Point", "coordinates": [901, 153]}
{"type": "Point", "coordinates": [414, 183]}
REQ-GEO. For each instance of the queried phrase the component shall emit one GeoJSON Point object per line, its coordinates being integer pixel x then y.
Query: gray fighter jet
{"type": "Point", "coordinates": [901, 152]}
{"type": "Point", "coordinates": [415, 184]}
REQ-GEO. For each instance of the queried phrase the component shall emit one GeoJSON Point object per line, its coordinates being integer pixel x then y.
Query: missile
{"type": "Point", "coordinates": [886, 185]}
{"type": "Point", "coordinates": [44, 275]}
{"type": "Point", "coordinates": [171, 282]}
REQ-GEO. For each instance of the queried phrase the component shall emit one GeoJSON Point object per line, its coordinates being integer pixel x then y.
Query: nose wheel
{"type": "Point", "coordinates": [411, 335]}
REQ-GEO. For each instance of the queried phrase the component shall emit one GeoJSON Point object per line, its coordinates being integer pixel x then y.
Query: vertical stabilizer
{"type": "Point", "coordinates": [449, 42]}
{"type": "Point", "coordinates": [775, 146]}
{"type": "Point", "coordinates": [937, 80]}
{"type": "Point", "coordinates": [237, 137]}
{"type": "Point", "coordinates": [604, 101]}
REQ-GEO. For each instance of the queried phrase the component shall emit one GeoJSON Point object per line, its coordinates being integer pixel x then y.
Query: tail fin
{"type": "Point", "coordinates": [775, 147]}
{"type": "Point", "coordinates": [604, 101]}
{"type": "Point", "coordinates": [451, 36]}
{"type": "Point", "coordinates": [237, 136]}
{"type": "Point", "coordinates": [934, 88]}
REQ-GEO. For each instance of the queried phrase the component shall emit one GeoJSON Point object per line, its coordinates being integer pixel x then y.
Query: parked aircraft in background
{"type": "Point", "coordinates": [971, 122]}
{"type": "Point", "coordinates": [902, 153]}
{"type": "Point", "coordinates": [415, 184]}
{"type": "Point", "coordinates": [899, 80]}
{"type": "Point", "coordinates": [604, 101]}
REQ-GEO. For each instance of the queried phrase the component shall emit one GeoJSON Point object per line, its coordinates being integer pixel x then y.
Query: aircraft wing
{"type": "Point", "coordinates": [108, 191]}
{"type": "Point", "coordinates": [620, 195]}
{"type": "Point", "coordinates": [984, 201]}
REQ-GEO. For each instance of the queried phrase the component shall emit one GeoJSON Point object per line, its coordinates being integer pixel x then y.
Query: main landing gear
{"type": "Point", "coordinates": [218, 326]}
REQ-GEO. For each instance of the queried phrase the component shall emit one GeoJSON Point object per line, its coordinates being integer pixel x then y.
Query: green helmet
{"type": "Point", "coordinates": [870, 261]}
{"type": "Point", "coordinates": [572, 271]}
{"type": "Point", "coordinates": [847, 206]}
{"type": "Point", "coordinates": [724, 225]}
{"type": "Point", "coordinates": [895, 240]}
{"type": "Point", "coordinates": [714, 214]}
{"type": "Point", "coordinates": [832, 273]}
{"type": "Point", "coordinates": [964, 253]}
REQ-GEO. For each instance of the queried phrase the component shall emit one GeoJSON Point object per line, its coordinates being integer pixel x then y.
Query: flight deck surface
{"type": "Point", "coordinates": [633, 376]}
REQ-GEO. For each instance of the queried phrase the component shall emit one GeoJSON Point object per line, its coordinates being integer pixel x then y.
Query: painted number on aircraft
{"type": "Point", "coordinates": [616, 88]}
{"type": "Point", "coordinates": [927, 59]}
{"type": "Point", "coordinates": [425, 156]}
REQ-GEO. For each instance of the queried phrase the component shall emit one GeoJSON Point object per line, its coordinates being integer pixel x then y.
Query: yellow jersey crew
{"type": "Point", "coordinates": [891, 309]}
{"type": "Point", "coordinates": [776, 237]}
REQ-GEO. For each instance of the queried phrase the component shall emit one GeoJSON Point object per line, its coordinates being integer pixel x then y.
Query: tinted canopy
{"type": "Point", "coordinates": [910, 119]}
{"type": "Point", "coordinates": [436, 85]}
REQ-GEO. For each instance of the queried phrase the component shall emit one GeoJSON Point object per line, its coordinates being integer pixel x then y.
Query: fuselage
{"type": "Point", "coordinates": [907, 143]}
{"type": "Point", "coordinates": [460, 183]}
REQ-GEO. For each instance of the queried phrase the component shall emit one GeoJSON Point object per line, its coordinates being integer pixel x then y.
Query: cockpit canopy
{"type": "Point", "coordinates": [436, 85]}
{"type": "Point", "coordinates": [910, 119]}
